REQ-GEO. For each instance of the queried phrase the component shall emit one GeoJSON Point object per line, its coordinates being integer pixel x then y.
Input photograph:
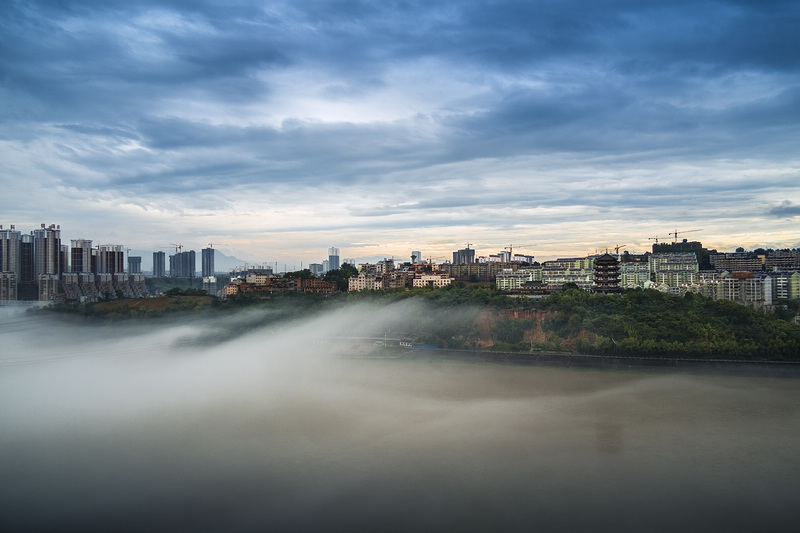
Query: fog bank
{"type": "Point", "coordinates": [159, 426]}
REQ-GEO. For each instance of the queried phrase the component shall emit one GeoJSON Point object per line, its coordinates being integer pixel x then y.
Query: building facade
{"type": "Point", "coordinates": [333, 259]}
{"type": "Point", "coordinates": [159, 264]}
{"type": "Point", "coordinates": [207, 262]}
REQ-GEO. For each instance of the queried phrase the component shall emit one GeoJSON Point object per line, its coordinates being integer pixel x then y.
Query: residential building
{"type": "Point", "coordinates": [47, 251]}
{"type": "Point", "coordinates": [159, 264]}
{"type": "Point", "coordinates": [207, 262]}
{"type": "Point", "coordinates": [210, 285]}
{"type": "Point", "coordinates": [783, 260]}
{"type": "Point", "coordinates": [737, 262]}
{"type": "Point", "coordinates": [432, 279]}
{"type": "Point", "coordinates": [134, 264]}
{"type": "Point", "coordinates": [10, 263]}
{"type": "Point", "coordinates": [110, 259]}
{"type": "Point", "coordinates": [333, 259]}
{"type": "Point", "coordinates": [182, 265]}
{"type": "Point", "coordinates": [510, 279]}
{"type": "Point", "coordinates": [633, 275]}
{"type": "Point", "coordinates": [8, 286]}
{"type": "Point", "coordinates": [577, 270]}
{"type": "Point", "coordinates": [81, 256]}
{"type": "Point", "coordinates": [464, 256]}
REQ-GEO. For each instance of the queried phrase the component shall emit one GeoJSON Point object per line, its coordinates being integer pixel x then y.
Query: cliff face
{"type": "Point", "coordinates": [535, 332]}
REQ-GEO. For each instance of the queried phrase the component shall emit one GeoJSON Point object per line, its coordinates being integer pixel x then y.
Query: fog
{"type": "Point", "coordinates": [164, 425]}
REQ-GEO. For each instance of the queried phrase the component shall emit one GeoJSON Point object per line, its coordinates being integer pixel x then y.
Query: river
{"type": "Point", "coordinates": [122, 428]}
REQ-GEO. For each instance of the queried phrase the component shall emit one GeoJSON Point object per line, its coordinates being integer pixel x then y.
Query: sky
{"type": "Point", "coordinates": [275, 130]}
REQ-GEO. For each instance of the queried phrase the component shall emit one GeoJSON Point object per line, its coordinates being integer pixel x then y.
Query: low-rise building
{"type": "Point", "coordinates": [432, 279]}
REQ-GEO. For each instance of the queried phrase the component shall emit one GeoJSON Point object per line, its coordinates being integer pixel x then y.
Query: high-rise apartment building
{"type": "Point", "coordinates": [47, 261]}
{"type": "Point", "coordinates": [110, 259]}
{"type": "Point", "coordinates": [333, 259]}
{"type": "Point", "coordinates": [207, 259]}
{"type": "Point", "coordinates": [461, 257]}
{"type": "Point", "coordinates": [81, 256]}
{"type": "Point", "coordinates": [26, 284]}
{"type": "Point", "coordinates": [134, 264]}
{"type": "Point", "coordinates": [9, 263]}
{"type": "Point", "coordinates": [47, 251]}
{"type": "Point", "coordinates": [182, 265]}
{"type": "Point", "coordinates": [9, 250]}
{"type": "Point", "coordinates": [159, 264]}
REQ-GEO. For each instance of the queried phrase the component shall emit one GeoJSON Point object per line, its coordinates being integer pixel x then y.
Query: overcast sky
{"type": "Point", "coordinates": [278, 129]}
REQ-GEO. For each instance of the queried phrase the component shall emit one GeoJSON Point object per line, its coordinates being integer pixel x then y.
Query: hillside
{"type": "Point", "coordinates": [637, 323]}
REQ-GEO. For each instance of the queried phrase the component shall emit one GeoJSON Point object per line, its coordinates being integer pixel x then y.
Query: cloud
{"type": "Point", "coordinates": [445, 113]}
{"type": "Point", "coordinates": [786, 209]}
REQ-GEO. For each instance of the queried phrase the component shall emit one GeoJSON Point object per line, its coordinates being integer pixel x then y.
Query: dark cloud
{"type": "Point", "coordinates": [177, 97]}
{"type": "Point", "coordinates": [786, 209]}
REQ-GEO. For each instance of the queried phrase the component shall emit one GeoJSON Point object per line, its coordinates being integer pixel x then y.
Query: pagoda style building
{"type": "Point", "coordinates": [606, 274]}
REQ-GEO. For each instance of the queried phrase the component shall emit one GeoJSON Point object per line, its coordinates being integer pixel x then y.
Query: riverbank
{"type": "Point", "coordinates": [784, 369]}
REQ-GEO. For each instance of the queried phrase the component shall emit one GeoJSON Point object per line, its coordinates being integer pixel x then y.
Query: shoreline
{"type": "Point", "coordinates": [733, 367]}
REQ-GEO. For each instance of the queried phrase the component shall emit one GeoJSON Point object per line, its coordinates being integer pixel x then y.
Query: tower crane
{"type": "Point", "coordinates": [178, 247]}
{"type": "Point", "coordinates": [676, 232]}
{"type": "Point", "coordinates": [655, 239]}
{"type": "Point", "coordinates": [510, 248]}
{"type": "Point", "coordinates": [618, 247]}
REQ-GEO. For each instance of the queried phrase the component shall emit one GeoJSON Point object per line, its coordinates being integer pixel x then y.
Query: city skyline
{"type": "Point", "coordinates": [525, 253]}
{"type": "Point", "coordinates": [279, 131]}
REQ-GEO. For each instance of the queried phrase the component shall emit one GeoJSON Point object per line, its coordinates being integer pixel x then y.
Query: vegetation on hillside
{"type": "Point", "coordinates": [637, 323]}
{"type": "Point", "coordinates": [645, 322]}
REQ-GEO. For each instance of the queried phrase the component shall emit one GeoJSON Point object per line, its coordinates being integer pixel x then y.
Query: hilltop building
{"type": "Point", "coordinates": [606, 274]}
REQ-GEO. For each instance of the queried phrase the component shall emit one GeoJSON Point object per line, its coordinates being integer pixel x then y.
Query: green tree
{"type": "Point", "coordinates": [300, 274]}
{"type": "Point", "coordinates": [341, 276]}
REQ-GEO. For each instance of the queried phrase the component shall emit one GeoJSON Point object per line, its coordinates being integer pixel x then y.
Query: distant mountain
{"type": "Point", "coordinates": [225, 263]}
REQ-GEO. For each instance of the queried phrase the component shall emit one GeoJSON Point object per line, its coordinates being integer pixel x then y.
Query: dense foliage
{"type": "Point", "coordinates": [462, 316]}
{"type": "Point", "coordinates": [644, 322]}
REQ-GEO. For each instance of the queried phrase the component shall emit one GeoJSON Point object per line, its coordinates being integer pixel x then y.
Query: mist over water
{"type": "Point", "coordinates": [162, 426]}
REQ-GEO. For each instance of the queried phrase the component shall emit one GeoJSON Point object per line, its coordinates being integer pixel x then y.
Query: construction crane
{"type": "Point", "coordinates": [178, 247]}
{"type": "Point", "coordinates": [618, 247]}
{"type": "Point", "coordinates": [510, 248]}
{"type": "Point", "coordinates": [676, 232]}
{"type": "Point", "coordinates": [655, 239]}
